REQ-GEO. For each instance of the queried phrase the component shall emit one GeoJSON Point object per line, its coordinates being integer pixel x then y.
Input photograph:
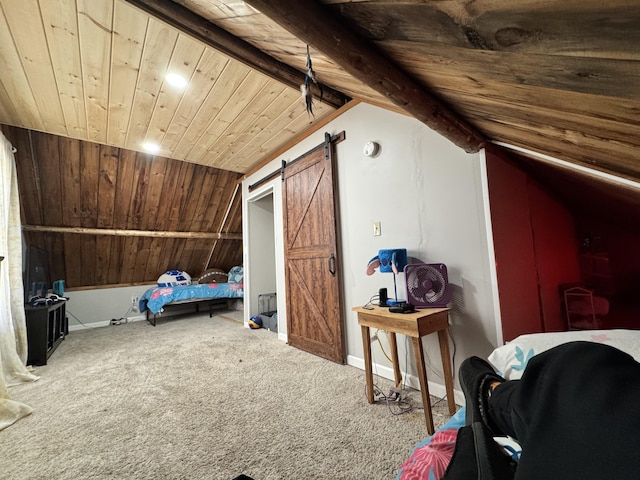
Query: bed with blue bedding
{"type": "Point", "coordinates": [155, 300]}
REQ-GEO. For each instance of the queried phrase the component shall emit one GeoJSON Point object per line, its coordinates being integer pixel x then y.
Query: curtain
{"type": "Point", "coordinates": [13, 330]}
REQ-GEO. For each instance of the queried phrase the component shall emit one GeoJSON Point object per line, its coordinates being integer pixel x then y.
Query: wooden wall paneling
{"type": "Point", "coordinates": [71, 179]}
{"type": "Point", "coordinates": [209, 68]}
{"type": "Point", "coordinates": [19, 99]}
{"type": "Point", "coordinates": [184, 60]}
{"type": "Point", "coordinates": [184, 262]}
{"type": "Point", "coordinates": [142, 259]}
{"type": "Point", "coordinates": [287, 123]}
{"type": "Point", "coordinates": [218, 202]}
{"type": "Point", "coordinates": [225, 84]}
{"type": "Point", "coordinates": [199, 251]}
{"type": "Point", "coordinates": [209, 261]}
{"type": "Point", "coordinates": [227, 254]}
{"type": "Point", "coordinates": [88, 264]}
{"type": "Point", "coordinates": [8, 112]}
{"type": "Point", "coordinates": [27, 29]}
{"type": "Point", "coordinates": [494, 91]}
{"type": "Point", "coordinates": [233, 222]}
{"type": "Point", "coordinates": [155, 261]}
{"type": "Point", "coordinates": [48, 157]}
{"type": "Point", "coordinates": [176, 253]}
{"type": "Point", "coordinates": [157, 171]}
{"type": "Point", "coordinates": [181, 193]}
{"type": "Point", "coordinates": [107, 177]}
{"type": "Point", "coordinates": [169, 202]}
{"type": "Point", "coordinates": [61, 29]}
{"type": "Point", "coordinates": [267, 105]}
{"type": "Point", "coordinates": [139, 190]}
{"type": "Point", "coordinates": [28, 176]}
{"type": "Point", "coordinates": [129, 254]}
{"type": "Point", "coordinates": [95, 186]}
{"type": "Point", "coordinates": [291, 122]}
{"type": "Point", "coordinates": [203, 201]}
{"type": "Point", "coordinates": [256, 93]}
{"type": "Point", "coordinates": [263, 126]}
{"type": "Point", "coordinates": [72, 260]}
{"type": "Point", "coordinates": [190, 198]}
{"type": "Point", "coordinates": [575, 122]}
{"type": "Point", "coordinates": [55, 248]}
{"type": "Point", "coordinates": [129, 32]}
{"type": "Point", "coordinates": [116, 261]}
{"type": "Point", "coordinates": [89, 176]}
{"type": "Point", "coordinates": [103, 254]}
{"type": "Point", "coordinates": [598, 159]}
{"type": "Point", "coordinates": [585, 30]}
{"type": "Point", "coordinates": [124, 188]}
{"type": "Point", "coordinates": [159, 44]}
{"type": "Point", "coordinates": [166, 249]}
{"type": "Point", "coordinates": [94, 32]}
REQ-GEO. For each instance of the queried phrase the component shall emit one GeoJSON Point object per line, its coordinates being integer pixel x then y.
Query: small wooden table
{"type": "Point", "coordinates": [415, 325]}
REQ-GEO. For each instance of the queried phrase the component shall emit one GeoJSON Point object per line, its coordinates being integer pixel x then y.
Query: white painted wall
{"type": "Point", "coordinates": [428, 195]}
{"type": "Point", "coordinates": [261, 238]}
{"type": "Point", "coordinates": [96, 308]}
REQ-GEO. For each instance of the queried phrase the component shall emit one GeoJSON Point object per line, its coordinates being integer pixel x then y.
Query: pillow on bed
{"type": "Point", "coordinates": [213, 275]}
{"type": "Point", "coordinates": [511, 359]}
{"type": "Point", "coordinates": [236, 274]}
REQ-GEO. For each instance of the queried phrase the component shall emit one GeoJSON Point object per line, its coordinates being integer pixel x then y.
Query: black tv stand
{"type": "Point", "coordinates": [47, 325]}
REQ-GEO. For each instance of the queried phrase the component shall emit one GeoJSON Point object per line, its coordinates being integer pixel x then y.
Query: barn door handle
{"type": "Point", "coordinates": [332, 264]}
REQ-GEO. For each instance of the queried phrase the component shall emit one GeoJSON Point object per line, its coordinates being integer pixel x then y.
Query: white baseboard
{"type": "Point", "coordinates": [435, 389]}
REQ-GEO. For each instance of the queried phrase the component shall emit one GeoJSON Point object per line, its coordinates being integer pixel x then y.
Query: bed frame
{"type": "Point", "coordinates": [212, 303]}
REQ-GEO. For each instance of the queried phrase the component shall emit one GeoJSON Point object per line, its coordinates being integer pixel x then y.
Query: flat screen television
{"type": "Point", "coordinates": [36, 278]}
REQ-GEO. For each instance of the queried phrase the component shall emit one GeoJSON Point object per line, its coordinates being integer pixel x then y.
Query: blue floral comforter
{"type": "Point", "coordinates": [156, 298]}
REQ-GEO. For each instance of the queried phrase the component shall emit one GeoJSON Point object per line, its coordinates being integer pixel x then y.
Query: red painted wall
{"type": "Point", "coordinates": [514, 248]}
{"type": "Point", "coordinates": [556, 254]}
{"type": "Point", "coordinates": [535, 248]}
{"type": "Point", "coordinates": [622, 248]}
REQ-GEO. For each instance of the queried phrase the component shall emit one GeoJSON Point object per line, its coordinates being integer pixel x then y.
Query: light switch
{"type": "Point", "coordinates": [376, 229]}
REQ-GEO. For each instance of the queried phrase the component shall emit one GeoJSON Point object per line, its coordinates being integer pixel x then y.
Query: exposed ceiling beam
{"type": "Point", "coordinates": [315, 25]}
{"type": "Point", "coordinates": [132, 233]}
{"type": "Point", "coordinates": [210, 34]}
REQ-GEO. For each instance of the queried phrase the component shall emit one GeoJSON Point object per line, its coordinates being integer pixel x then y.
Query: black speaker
{"type": "Point", "coordinates": [382, 294]}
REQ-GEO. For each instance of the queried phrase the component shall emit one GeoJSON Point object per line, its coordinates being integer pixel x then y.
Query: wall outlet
{"type": "Point", "coordinates": [134, 303]}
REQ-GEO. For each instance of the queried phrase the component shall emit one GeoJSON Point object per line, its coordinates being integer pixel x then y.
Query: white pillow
{"type": "Point", "coordinates": [510, 359]}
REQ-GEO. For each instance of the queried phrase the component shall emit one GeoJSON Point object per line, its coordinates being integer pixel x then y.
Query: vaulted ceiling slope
{"type": "Point", "coordinates": [110, 216]}
{"type": "Point", "coordinates": [556, 78]}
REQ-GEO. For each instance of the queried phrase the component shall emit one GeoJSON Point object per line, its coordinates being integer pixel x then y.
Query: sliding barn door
{"type": "Point", "coordinates": [314, 304]}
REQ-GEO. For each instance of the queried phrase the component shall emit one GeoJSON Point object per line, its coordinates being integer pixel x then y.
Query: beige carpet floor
{"type": "Point", "coordinates": [202, 398]}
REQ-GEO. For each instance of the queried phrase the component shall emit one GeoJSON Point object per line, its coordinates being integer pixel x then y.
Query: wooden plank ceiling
{"type": "Point", "coordinates": [556, 78]}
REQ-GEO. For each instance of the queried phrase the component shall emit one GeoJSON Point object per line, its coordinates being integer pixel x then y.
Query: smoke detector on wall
{"type": "Point", "coordinates": [371, 149]}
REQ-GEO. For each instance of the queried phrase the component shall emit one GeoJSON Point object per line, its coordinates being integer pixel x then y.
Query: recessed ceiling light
{"type": "Point", "coordinates": [176, 80]}
{"type": "Point", "coordinates": [151, 147]}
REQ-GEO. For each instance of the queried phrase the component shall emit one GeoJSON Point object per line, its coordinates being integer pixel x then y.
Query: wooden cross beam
{"type": "Point", "coordinates": [316, 25]}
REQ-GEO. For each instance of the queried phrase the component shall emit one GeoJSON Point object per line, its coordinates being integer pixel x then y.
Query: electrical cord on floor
{"type": "Point", "coordinates": [394, 401]}
{"type": "Point", "coordinates": [77, 319]}
{"type": "Point", "coordinates": [437, 371]}
{"type": "Point", "coordinates": [382, 346]}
